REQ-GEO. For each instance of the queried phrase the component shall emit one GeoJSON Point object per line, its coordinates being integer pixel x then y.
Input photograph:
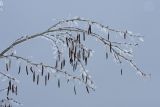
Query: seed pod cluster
{"type": "Point", "coordinates": [11, 88]}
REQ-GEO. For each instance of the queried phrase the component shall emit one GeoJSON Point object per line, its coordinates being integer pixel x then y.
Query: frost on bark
{"type": "Point", "coordinates": [68, 39]}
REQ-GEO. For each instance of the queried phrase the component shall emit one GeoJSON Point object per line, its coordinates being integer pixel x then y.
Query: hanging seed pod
{"type": "Point", "coordinates": [86, 79]}
{"type": "Point", "coordinates": [7, 67]}
{"type": "Point", "coordinates": [27, 70]}
{"type": "Point", "coordinates": [13, 88]}
{"type": "Point", "coordinates": [16, 90]}
{"type": "Point", "coordinates": [87, 89]}
{"type": "Point", "coordinates": [69, 52]}
{"type": "Point", "coordinates": [34, 76]}
{"type": "Point", "coordinates": [45, 80]}
{"type": "Point", "coordinates": [74, 56]}
{"type": "Point", "coordinates": [89, 29]}
{"type": "Point", "coordinates": [19, 69]}
{"type": "Point", "coordinates": [106, 55]}
{"type": "Point", "coordinates": [84, 36]}
{"type": "Point", "coordinates": [79, 54]}
{"type": "Point", "coordinates": [67, 42]}
{"type": "Point", "coordinates": [56, 66]}
{"type": "Point", "coordinates": [75, 92]}
{"type": "Point", "coordinates": [9, 63]}
{"type": "Point", "coordinates": [125, 34]}
{"type": "Point", "coordinates": [71, 60]}
{"type": "Point", "coordinates": [48, 75]}
{"type": "Point", "coordinates": [61, 66]}
{"type": "Point", "coordinates": [67, 81]}
{"type": "Point", "coordinates": [10, 85]}
{"type": "Point", "coordinates": [76, 65]}
{"type": "Point", "coordinates": [121, 72]}
{"type": "Point", "coordinates": [83, 53]}
{"type": "Point", "coordinates": [79, 39]}
{"type": "Point", "coordinates": [110, 47]}
{"type": "Point", "coordinates": [75, 50]}
{"type": "Point", "coordinates": [37, 79]}
{"type": "Point", "coordinates": [64, 63]}
{"type": "Point", "coordinates": [85, 60]}
{"type": "Point", "coordinates": [42, 70]}
{"type": "Point", "coordinates": [82, 77]}
{"type": "Point", "coordinates": [31, 69]}
{"type": "Point", "coordinates": [108, 35]}
{"type": "Point", "coordinates": [8, 89]}
{"type": "Point", "coordinates": [59, 83]}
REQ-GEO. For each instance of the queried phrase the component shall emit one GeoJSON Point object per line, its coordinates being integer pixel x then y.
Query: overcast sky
{"type": "Point", "coordinates": [20, 18]}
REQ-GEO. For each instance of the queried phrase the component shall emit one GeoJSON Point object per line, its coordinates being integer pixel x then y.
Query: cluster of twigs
{"type": "Point", "coordinates": [69, 36]}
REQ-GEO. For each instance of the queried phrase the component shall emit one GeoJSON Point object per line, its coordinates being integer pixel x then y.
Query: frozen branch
{"type": "Point", "coordinates": [68, 38]}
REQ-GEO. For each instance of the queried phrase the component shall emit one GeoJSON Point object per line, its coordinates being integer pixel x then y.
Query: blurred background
{"type": "Point", "coordinates": [19, 18]}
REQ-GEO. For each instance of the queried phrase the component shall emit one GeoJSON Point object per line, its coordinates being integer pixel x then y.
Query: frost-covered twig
{"type": "Point", "coordinates": [68, 39]}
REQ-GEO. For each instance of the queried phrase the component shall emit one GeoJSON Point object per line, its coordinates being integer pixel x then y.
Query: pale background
{"type": "Point", "coordinates": [21, 17]}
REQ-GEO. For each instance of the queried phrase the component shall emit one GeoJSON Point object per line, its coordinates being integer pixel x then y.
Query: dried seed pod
{"type": "Point", "coordinates": [34, 76]}
{"type": "Point", "coordinates": [86, 79]}
{"type": "Point", "coordinates": [45, 80]}
{"type": "Point", "coordinates": [85, 60]}
{"type": "Point", "coordinates": [19, 69]}
{"type": "Point", "coordinates": [37, 79]}
{"type": "Point", "coordinates": [31, 69]}
{"type": "Point", "coordinates": [10, 85]}
{"type": "Point", "coordinates": [75, 92]}
{"type": "Point", "coordinates": [82, 77]}
{"type": "Point", "coordinates": [121, 72]}
{"type": "Point", "coordinates": [69, 52]}
{"type": "Point", "coordinates": [106, 55]}
{"type": "Point", "coordinates": [71, 60]}
{"type": "Point", "coordinates": [89, 29]}
{"type": "Point", "coordinates": [84, 36]}
{"type": "Point", "coordinates": [13, 88]}
{"type": "Point", "coordinates": [108, 36]}
{"type": "Point", "coordinates": [74, 56]}
{"type": "Point", "coordinates": [87, 89]}
{"type": "Point", "coordinates": [27, 70]}
{"type": "Point", "coordinates": [48, 75]}
{"type": "Point", "coordinates": [61, 66]}
{"type": "Point", "coordinates": [83, 53]}
{"type": "Point", "coordinates": [67, 80]}
{"type": "Point", "coordinates": [56, 64]}
{"type": "Point", "coordinates": [72, 45]}
{"type": "Point", "coordinates": [9, 63]}
{"type": "Point", "coordinates": [76, 65]}
{"type": "Point", "coordinates": [75, 50]}
{"type": "Point", "coordinates": [7, 67]}
{"type": "Point", "coordinates": [16, 90]}
{"type": "Point", "coordinates": [42, 70]}
{"type": "Point", "coordinates": [8, 89]}
{"type": "Point", "coordinates": [64, 63]}
{"type": "Point", "coordinates": [110, 47]}
{"type": "Point", "coordinates": [79, 39]}
{"type": "Point", "coordinates": [67, 42]}
{"type": "Point", "coordinates": [125, 34]}
{"type": "Point", "coordinates": [59, 83]}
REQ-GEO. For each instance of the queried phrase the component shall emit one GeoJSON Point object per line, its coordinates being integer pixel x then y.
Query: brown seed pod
{"type": "Point", "coordinates": [27, 70]}
{"type": "Point", "coordinates": [59, 85]}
